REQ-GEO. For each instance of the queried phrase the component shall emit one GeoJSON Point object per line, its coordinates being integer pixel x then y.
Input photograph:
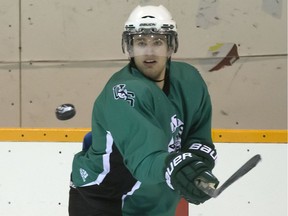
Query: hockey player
{"type": "Point", "coordinates": [151, 129]}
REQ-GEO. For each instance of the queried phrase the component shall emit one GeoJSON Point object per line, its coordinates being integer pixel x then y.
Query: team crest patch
{"type": "Point", "coordinates": [120, 92]}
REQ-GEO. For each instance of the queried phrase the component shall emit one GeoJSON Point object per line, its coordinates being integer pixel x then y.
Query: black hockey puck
{"type": "Point", "coordinates": [65, 111]}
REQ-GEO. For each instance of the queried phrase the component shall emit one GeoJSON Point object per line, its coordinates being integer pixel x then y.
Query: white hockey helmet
{"type": "Point", "coordinates": [150, 20]}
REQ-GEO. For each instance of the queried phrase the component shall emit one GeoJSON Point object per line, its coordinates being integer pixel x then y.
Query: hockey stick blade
{"type": "Point", "coordinates": [209, 188]}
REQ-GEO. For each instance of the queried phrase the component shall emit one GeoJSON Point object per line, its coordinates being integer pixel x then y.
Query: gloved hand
{"type": "Point", "coordinates": [206, 152]}
{"type": "Point", "coordinates": [182, 172]}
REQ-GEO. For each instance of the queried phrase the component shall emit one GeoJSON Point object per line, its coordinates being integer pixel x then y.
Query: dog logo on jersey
{"type": "Point", "coordinates": [120, 92]}
{"type": "Point", "coordinates": [177, 130]}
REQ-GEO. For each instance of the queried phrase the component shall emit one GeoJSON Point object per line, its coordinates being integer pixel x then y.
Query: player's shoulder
{"type": "Point", "coordinates": [184, 71]}
{"type": "Point", "coordinates": [181, 64]}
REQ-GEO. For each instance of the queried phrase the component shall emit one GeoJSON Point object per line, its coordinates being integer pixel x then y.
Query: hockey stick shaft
{"type": "Point", "coordinates": [209, 189]}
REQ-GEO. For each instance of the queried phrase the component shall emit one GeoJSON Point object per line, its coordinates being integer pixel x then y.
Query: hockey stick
{"type": "Point", "coordinates": [209, 188]}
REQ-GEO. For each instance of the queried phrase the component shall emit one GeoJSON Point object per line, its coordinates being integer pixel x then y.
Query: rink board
{"type": "Point", "coordinates": [35, 174]}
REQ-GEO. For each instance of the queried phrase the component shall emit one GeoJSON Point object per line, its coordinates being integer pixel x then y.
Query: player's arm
{"type": "Point", "coordinates": [195, 161]}
{"type": "Point", "coordinates": [197, 157]}
{"type": "Point", "coordinates": [198, 137]}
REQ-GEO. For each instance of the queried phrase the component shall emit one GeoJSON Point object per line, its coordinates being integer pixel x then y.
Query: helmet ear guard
{"type": "Point", "coordinates": [150, 20]}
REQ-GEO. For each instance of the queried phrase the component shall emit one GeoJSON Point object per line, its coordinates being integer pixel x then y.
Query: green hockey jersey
{"type": "Point", "coordinates": [135, 125]}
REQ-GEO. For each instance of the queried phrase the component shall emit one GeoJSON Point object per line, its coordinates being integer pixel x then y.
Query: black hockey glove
{"type": "Point", "coordinates": [182, 172]}
{"type": "Point", "coordinates": [205, 151]}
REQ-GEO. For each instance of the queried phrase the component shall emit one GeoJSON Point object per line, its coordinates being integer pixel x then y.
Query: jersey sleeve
{"type": "Point", "coordinates": [200, 125]}
{"type": "Point", "coordinates": [129, 111]}
{"type": "Point", "coordinates": [199, 140]}
{"type": "Point", "coordinates": [198, 116]}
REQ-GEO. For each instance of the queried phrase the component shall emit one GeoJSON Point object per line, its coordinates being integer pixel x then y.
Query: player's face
{"type": "Point", "coordinates": [150, 54]}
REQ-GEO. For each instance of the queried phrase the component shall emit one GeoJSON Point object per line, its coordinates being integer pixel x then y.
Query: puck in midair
{"type": "Point", "coordinates": [65, 111]}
